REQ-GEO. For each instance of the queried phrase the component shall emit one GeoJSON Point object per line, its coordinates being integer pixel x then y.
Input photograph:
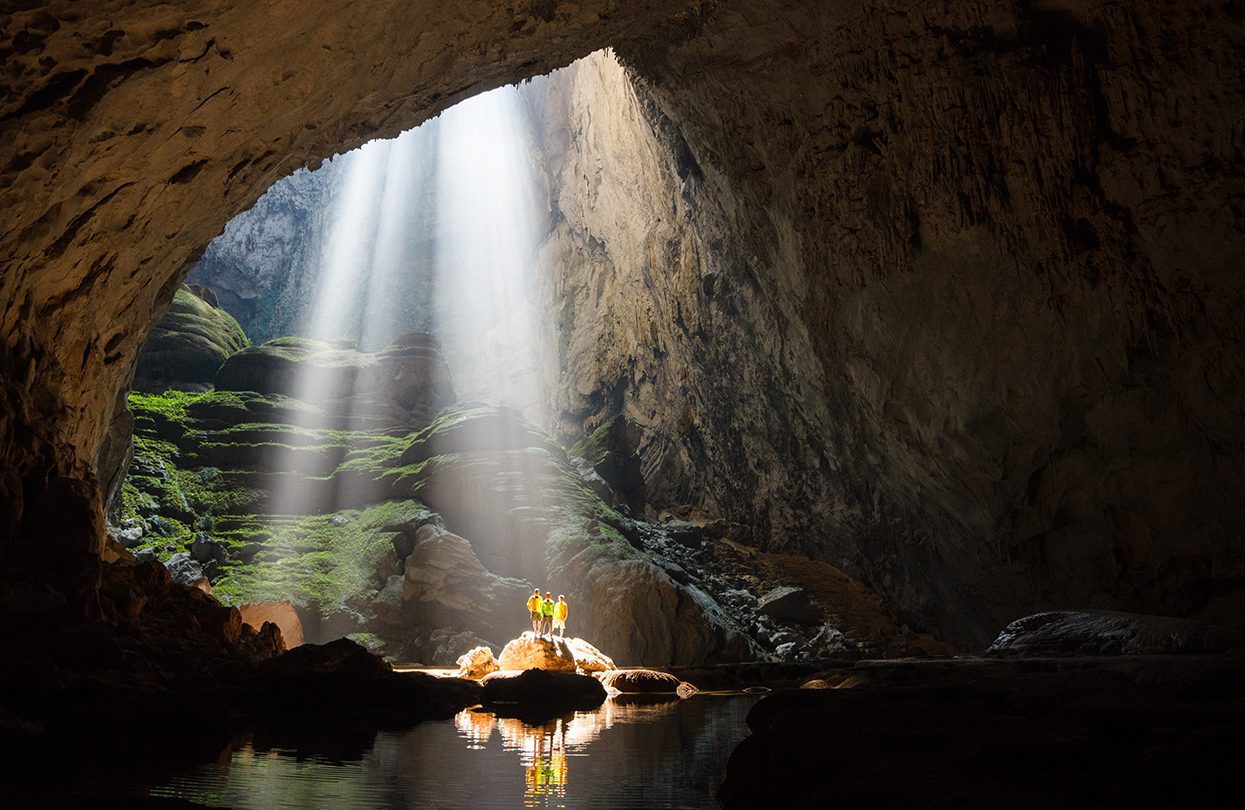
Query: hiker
{"type": "Point", "coordinates": [546, 614]}
{"type": "Point", "coordinates": [559, 616]}
{"type": "Point", "coordinates": [533, 607]}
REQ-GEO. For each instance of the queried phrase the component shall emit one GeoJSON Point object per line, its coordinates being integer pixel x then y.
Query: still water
{"type": "Point", "coordinates": [625, 754]}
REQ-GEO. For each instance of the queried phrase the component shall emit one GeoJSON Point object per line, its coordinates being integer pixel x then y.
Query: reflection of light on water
{"type": "Point", "coordinates": [544, 749]}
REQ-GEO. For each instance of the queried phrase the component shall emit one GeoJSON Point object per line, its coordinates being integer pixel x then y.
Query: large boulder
{"type": "Point", "coordinates": [341, 659]}
{"type": "Point", "coordinates": [530, 651]}
{"type": "Point", "coordinates": [445, 584]}
{"type": "Point", "coordinates": [1067, 632]}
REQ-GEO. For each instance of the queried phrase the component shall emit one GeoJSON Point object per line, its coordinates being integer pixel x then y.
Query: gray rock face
{"type": "Point", "coordinates": [1110, 633]}
{"type": "Point", "coordinates": [789, 604]}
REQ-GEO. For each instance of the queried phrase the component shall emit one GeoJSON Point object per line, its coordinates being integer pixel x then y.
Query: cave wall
{"type": "Point", "coordinates": [1012, 233]}
{"type": "Point", "coordinates": [946, 293]}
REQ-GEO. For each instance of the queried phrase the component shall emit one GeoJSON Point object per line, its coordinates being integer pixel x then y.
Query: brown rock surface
{"type": "Point", "coordinates": [282, 614]}
{"type": "Point", "coordinates": [639, 680]}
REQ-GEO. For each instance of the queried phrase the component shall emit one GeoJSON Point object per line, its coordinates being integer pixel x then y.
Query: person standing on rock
{"type": "Point", "coordinates": [546, 613]}
{"type": "Point", "coordinates": [560, 611]}
{"type": "Point", "coordinates": [533, 607]}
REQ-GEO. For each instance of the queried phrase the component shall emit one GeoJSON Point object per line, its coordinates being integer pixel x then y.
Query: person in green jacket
{"type": "Point", "coordinates": [546, 614]}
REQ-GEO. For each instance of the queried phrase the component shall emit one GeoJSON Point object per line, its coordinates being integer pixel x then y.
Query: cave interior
{"type": "Point", "coordinates": [889, 351]}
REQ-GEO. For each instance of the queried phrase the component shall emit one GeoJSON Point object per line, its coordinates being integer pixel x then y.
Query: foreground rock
{"type": "Point", "coordinates": [538, 691]}
{"type": "Point", "coordinates": [1137, 731]}
{"type": "Point", "coordinates": [1111, 633]}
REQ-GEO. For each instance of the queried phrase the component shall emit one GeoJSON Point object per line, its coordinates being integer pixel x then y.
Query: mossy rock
{"type": "Point", "coordinates": [188, 345]}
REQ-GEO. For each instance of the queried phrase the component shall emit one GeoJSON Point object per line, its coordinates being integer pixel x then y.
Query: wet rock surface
{"type": "Point", "coordinates": [1042, 733]}
{"type": "Point", "coordinates": [1107, 633]}
{"type": "Point", "coordinates": [640, 681]}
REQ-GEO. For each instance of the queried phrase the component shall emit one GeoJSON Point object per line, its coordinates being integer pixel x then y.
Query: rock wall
{"type": "Point", "coordinates": [955, 307]}
{"type": "Point", "coordinates": [1010, 235]}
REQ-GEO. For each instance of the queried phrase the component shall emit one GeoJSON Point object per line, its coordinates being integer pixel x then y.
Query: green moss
{"type": "Point", "coordinates": [594, 447]}
{"type": "Point", "coordinates": [312, 560]}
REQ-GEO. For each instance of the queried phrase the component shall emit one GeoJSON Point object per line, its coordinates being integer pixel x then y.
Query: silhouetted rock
{"type": "Point", "coordinates": [542, 689]}
{"type": "Point", "coordinates": [1066, 632]}
{"type": "Point", "coordinates": [337, 659]}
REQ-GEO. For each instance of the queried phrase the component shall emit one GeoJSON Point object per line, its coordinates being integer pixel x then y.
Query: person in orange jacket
{"type": "Point", "coordinates": [560, 611]}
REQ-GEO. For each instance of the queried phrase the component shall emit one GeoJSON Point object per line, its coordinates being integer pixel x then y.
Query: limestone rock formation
{"type": "Point", "coordinates": [405, 383]}
{"type": "Point", "coordinates": [530, 651]}
{"type": "Point", "coordinates": [791, 604]}
{"type": "Point", "coordinates": [476, 663]}
{"type": "Point", "coordinates": [1084, 633]}
{"type": "Point", "coordinates": [587, 657]}
{"type": "Point", "coordinates": [189, 344]}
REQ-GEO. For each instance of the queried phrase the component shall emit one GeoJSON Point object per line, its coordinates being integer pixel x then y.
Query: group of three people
{"type": "Point", "coordinates": [548, 616]}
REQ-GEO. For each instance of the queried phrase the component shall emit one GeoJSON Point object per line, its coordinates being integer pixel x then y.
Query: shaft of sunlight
{"type": "Point", "coordinates": [487, 233]}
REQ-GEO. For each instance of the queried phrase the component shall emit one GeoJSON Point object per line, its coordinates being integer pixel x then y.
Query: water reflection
{"type": "Point", "coordinates": [626, 754]}
{"type": "Point", "coordinates": [543, 748]}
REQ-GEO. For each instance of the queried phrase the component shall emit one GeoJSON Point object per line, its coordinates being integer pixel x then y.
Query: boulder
{"type": "Point", "coordinates": [337, 659]}
{"type": "Point", "coordinates": [640, 680]}
{"type": "Point", "coordinates": [587, 657]}
{"type": "Point", "coordinates": [1065, 632]}
{"type": "Point", "coordinates": [789, 604]}
{"type": "Point", "coordinates": [184, 569]}
{"type": "Point", "coordinates": [538, 688]}
{"type": "Point", "coordinates": [204, 550]}
{"type": "Point", "coordinates": [476, 663]}
{"type": "Point", "coordinates": [529, 651]}
{"type": "Point", "coordinates": [282, 614]}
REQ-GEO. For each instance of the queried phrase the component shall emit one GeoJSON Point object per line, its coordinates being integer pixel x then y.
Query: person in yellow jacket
{"type": "Point", "coordinates": [560, 610]}
{"type": "Point", "coordinates": [533, 607]}
{"type": "Point", "coordinates": [546, 613]}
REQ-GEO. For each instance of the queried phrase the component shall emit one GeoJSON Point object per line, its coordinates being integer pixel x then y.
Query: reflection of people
{"type": "Point", "coordinates": [546, 614]}
{"type": "Point", "coordinates": [560, 610]}
{"type": "Point", "coordinates": [533, 607]}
